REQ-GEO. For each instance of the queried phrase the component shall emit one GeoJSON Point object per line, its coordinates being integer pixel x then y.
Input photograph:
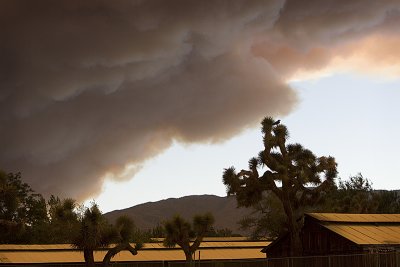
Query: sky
{"type": "Point", "coordinates": [349, 116]}
{"type": "Point", "coordinates": [132, 101]}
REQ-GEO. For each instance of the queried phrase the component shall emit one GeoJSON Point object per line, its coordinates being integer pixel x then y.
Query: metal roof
{"type": "Point", "coordinates": [150, 252]}
{"type": "Point", "coordinates": [36, 247]}
{"type": "Point", "coordinates": [213, 239]}
{"type": "Point", "coordinates": [219, 244]}
{"type": "Point", "coordinates": [343, 217]}
{"type": "Point", "coordinates": [146, 246]}
{"type": "Point", "coordinates": [367, 234]}
{"type": "Point", "coordinates": [363, 229]}
{"type": "Point", "coordinates": [143, 255]}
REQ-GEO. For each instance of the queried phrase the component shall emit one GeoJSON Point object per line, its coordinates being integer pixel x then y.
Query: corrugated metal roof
{"type": "Point", "coordinates": [363, 229]}
{"type": "Point", "coordinates": [234, 244]}
{"type": "Point", "coordinates": [215, 239]}
{"type": "Point", "coordinates": [363, 234]}
{"type": "Point", "coordinates": [143, 255]}
{"type": "Point", "coordinates": [218, 244]}
{"type": "Point", "coordinates": [157, 245]}
{"type": "Point", "coordinates": [35, 247]}
{"type": "Point", "coordinates": [343, 217]}
{"type": "Point", "coordinates": [150, 252]}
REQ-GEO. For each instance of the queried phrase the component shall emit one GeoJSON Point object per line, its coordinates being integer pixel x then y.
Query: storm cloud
{"type": "Point", "coordinates": [90, 89]}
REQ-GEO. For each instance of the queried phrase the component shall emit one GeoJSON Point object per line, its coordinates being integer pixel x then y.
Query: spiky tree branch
{"type": "Point", "coordinates": [302, 176]}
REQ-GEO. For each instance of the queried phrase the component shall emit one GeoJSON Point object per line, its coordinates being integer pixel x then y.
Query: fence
{"type": "Point", "coordinates": [360, 260]}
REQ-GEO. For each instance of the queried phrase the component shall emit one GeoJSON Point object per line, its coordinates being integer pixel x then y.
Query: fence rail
{"type": "Point", "coordinates": [391, 259]}
{"type": "Point", "coordinates": [360, 260]}
{"type": "Point", "coordinates": [351, 260]}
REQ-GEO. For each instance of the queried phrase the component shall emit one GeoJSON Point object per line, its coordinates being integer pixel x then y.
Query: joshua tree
{"type": "Point", "coordinates": [294, 174]}
{"type": "Point", "coordinates": [63, 219]}
{"type": "Point", "coordinates": [125, 233]}
{"type": "Point", "coordinates": [94, 233]}
{"type": "Point", "coordinates": [179, 232]}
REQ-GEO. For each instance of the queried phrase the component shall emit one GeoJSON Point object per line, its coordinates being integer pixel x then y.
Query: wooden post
{"type": "Point", "coordinates": [199, 258]}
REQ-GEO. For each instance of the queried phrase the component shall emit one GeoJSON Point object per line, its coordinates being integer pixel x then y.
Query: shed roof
{"type": "Point", "coordinates": [364, 218]}
{"type": "Point", "coordinates": [362, 234]}
{"type": "Point", "coordinates": [363, 229]}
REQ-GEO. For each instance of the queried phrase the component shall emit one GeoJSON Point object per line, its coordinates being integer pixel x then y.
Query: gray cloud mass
{"type": "Point", "coordinates": [90, 87]}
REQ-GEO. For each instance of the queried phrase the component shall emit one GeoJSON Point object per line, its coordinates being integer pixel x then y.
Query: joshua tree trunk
{"type": "Point", "coordinates": [117, 249]}
{"type": "Point", "coordinates": [89, 258]}
{"type": "Point", "coordinates": [189, 258]}
{"type": "Point", "coordinates": [295, 243]}
{"type": "Point", "coordinates": [294, 226]}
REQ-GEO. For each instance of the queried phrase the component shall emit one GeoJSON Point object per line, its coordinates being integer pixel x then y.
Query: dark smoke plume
{"type": "Point", "coordinates": [90, 88]}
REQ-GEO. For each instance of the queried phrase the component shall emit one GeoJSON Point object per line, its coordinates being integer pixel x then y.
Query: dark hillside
{"type": "Point", "coordinates": [148, 215]}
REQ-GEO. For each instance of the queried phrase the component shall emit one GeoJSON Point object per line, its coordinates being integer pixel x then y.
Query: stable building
{"type": "Point", "coordinates": [63, 255]}
{"type": "Point", "coordinates": [342, 234]}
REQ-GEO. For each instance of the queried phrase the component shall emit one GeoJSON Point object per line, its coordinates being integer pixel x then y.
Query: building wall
{"type": "Point", "coordinates": [317, 240]}
{"type": "Point", "coordinates": [279, 248]}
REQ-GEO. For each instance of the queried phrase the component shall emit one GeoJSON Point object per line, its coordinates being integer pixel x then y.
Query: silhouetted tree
{"type": "Point", "coordinates": [356, 195]}
{"type": "Point", "coordinates": [267, 220]}
{"type": "Point", "coordinates": [180, 232]}
{"type": "Point", "coordinates": [94, 233]}
{"type": "Point", "coordinates": [125, 229]}
{"type": "Point", "coordinates": [223, 232]}
{"type": "Point", "coordinates": [294, 174]}
{"type": "Point", "coordinates": [37, 220]}
{"type": "Point", "coordinates": [21, 210]}
{"type": "Point", "coordinates": [388, 201]}
{"type": "Point", "coordinates": [157, 231]}
{"type": "Point", "coordinates": [63, 219]}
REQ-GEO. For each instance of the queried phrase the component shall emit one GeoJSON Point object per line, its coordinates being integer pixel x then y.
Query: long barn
{"type": "Point", "coordinates": [152, 254]}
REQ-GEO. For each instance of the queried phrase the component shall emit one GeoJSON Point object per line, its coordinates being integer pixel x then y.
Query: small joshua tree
{"type": "Point", "coordinates": [180, 232]}
{"type": "Point", "coordinates": [124, 228]}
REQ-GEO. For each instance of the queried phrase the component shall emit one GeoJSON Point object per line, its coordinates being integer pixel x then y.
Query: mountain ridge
{"type": "Point", "coordinates": [148, 215]}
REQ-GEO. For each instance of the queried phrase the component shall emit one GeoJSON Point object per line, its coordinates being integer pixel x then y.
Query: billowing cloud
{"type": "Point", "coordinates": [91, 89]}
{"type": "Point", "coordinates": [312, 36]}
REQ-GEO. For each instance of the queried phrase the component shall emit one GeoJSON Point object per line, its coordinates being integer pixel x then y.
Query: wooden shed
{"type": "Point", "coordinates": [341, 234]}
